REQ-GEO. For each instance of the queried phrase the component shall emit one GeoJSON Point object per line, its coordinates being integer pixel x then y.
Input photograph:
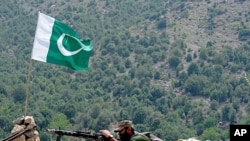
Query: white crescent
{"type": "Point", "coordinates": [63, 50]}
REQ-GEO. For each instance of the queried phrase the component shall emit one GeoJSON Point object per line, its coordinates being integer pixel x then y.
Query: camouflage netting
{"type": "Point", "coordinates": [23, 123]}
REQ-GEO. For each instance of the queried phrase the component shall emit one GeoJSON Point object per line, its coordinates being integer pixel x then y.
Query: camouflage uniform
{"type": "Point", "coordinates": [190, 139]}
{"type": "Point", "coordinates": [23, 123]}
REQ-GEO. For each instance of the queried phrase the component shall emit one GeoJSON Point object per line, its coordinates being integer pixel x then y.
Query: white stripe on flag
{"type": "Point", "coordinates": [42, 37]}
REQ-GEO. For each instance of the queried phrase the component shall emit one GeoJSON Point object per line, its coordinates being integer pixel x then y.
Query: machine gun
{"type": "Point", "coordinates": [78, 134]}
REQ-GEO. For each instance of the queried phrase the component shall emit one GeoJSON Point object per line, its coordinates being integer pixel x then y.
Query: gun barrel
{"type": "Point", "coordinates": [79, 134]}
{"type": "Point", "coordinates": [12, 137]}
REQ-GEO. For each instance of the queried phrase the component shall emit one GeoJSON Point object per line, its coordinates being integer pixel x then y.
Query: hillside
{"type": "Point", "coordinates": [176, 68]}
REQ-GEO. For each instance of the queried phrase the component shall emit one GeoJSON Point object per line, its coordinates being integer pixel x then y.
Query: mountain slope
{"type": "Point", "coordinates": [175, 68]}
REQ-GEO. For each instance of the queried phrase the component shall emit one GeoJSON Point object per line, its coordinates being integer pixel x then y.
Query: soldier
{"type": "Point", "coordinates": [26, 125]}
{"type": "Point", "coordinates": [126, 132]}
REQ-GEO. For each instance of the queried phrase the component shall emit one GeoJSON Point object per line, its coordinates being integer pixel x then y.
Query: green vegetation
{"type": "Point", "coordinates": [175, 68]}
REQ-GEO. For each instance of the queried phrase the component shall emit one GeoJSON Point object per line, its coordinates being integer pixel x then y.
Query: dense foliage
{"type": "Point", "coordinates": [144, 67]}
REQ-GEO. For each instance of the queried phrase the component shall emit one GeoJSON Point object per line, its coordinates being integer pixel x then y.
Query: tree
{"type": "Point", "coordinates": [226, 113]}
{"type": "Point", "coordinates": [244, 35]}
{"type": "Point", "coordinates": [59, 121]}
{"type": "Point", "coordinates": [209, 44]}
{"type": "Point", "coordinates": [246, 120]}
{"type": "Point", "coordinates": [170, 132]}
{"type": "Point", "coordinates": [197, 116]}
{"type": "Point", "coordinates": [193, 69]}
{"type": "Point", "coordinates": [5, 123]}
{"type": "Point", "coordinates": [128, 63]}
{"type": "Point", "coordinates": [210, 134]}
{"type": "Point", "coordinates": [162, 24]}
{"type": "Point", "coordinates": [102, 120]}
{"type": "Point", "coordinates": [139, 115]}
{"type": "Point", "coordinates": [69, 110]}
{"type": "Point", "coordinates": [218, 59]}
{"type": "Point", "coordinates": [199, 129]}
{"type": "Point", "coordinates": [95, 111]}
{"type": "Point", "coordinates": [189, 58]}
{"type": "Point", "coordinates": [195, 84]}
{"type": "Point", "coordinates": [19, 94]}
{"type": "Point", "coordinates": [219, 95]}
{"type": "Point", "coordinates": [157, 75]}
{"type": "Point", "coordinates": [210, 122]}
{"type": "Point", "coordinates": [157, 92]}
{"type": "Point", "coordinates": [203, 54]}
{"type": "Point", "coordinates": [214, 105]}
{"type": "Point", "coordinates": [174, 61]}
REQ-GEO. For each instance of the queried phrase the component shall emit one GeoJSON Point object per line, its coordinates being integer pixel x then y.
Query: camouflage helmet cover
{"type": "Point", "coordinates": [122, 124]}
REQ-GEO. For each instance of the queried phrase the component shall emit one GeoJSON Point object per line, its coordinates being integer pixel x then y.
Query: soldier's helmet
{"type": "Point", "coordinates": [123, 124]}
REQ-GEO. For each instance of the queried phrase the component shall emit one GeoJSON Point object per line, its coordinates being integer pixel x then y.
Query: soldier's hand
{"type": "Point", "coordinates": [105, 133]}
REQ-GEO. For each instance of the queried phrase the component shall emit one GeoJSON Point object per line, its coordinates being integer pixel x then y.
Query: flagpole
{"type": "Point", "coordinates": [27, 88]}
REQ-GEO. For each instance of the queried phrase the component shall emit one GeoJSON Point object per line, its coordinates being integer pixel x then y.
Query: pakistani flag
{"type": "Point", "coordinates": [57, 43]}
